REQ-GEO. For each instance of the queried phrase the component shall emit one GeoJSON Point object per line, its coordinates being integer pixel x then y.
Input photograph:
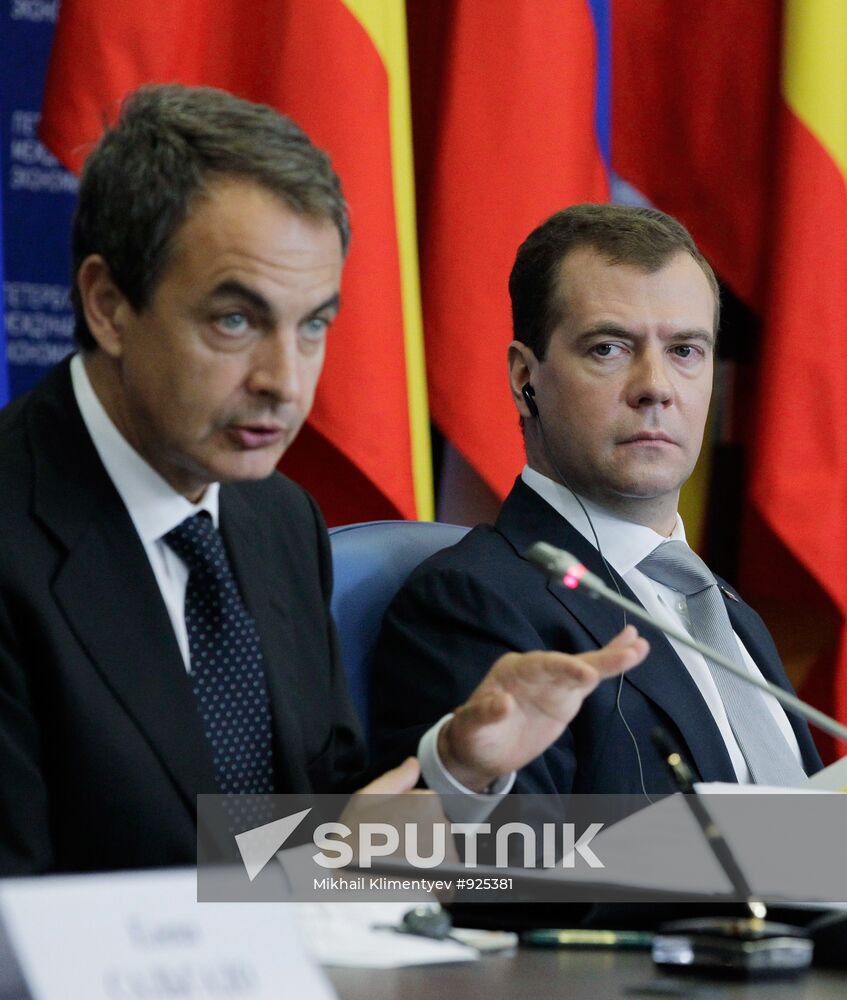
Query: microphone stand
{"type": "Point", "coordinates": [743, 946]}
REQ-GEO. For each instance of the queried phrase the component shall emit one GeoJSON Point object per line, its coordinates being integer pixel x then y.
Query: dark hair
{"type": "Point", "coordinates": [623, 234]}
{"type": "Point", "coordinates": [169, 144]}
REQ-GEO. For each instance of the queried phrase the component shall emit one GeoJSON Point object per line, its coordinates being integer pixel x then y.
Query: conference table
{"type": "Point", "coordinates": [574, 975]}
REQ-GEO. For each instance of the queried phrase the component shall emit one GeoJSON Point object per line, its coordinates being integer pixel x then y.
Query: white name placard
{"type": "Point", "coordinates": [144, 936]}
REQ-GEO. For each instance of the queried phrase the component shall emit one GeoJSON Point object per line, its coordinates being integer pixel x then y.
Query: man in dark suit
{"type": "Point", "coordinates": [615, 314]}
{"type": "Point", "coordinates": [164, 595]}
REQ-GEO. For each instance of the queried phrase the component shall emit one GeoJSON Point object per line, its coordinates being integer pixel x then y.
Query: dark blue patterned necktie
{"type": "Point", "coordinates": [226, 661]}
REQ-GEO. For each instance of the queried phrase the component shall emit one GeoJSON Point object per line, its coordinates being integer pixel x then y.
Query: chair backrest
{"type": "Point", "coordinates": [370, 563]}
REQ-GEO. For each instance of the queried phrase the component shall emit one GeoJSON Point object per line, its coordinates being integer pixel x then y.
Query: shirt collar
{"type": "Point", "coordinates": [624, 543]}
{"type": "Point", "coordinates": [153, 504]}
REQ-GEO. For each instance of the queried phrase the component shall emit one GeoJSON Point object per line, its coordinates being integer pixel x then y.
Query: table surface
{"type": "Point", "coordinates": [571, 974]}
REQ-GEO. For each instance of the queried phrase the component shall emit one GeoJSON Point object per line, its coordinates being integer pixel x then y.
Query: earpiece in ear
{"type": "Point", "coordinates": [528, 394]}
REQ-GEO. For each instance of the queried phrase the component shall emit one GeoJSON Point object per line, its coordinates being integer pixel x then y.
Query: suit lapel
{"type": "Point", "coordinates": [108, 592]}
{"type": "Point", "coordinates": [526, 518]}
{"type": "Point", "coordinates": [262, 588]}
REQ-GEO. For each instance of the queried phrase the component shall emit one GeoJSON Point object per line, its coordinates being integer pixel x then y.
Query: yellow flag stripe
{"type": "Point", "coordinates": [385, 23]}
{"type": "Point", "coordinates": [814, 70]}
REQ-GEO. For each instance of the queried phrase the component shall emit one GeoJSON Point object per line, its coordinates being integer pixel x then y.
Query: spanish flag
{"type": "Point", "coordinates": [799, 474]}
{"type": "Point", "coordinates": [339, 68]}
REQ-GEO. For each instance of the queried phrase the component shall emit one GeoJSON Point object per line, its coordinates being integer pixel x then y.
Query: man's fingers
{"type": "Point", "coordinates": [557, 668]}
{"type": "Point", "coordinates": [484, 708]}
{"type": "Point", "coordinates": [626, 650]}
{"type": "Point", "coordinates": [397, 780]}
{"type": "Point", "coordinates": [575, 670]}
{"type": "Point", "coordinates": [624, 637]}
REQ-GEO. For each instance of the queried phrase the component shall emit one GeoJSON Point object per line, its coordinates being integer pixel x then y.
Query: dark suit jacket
{"type": "Point", "coordinates": [469, 604]}
{"type": "Point", "coordinates": [101, 748]}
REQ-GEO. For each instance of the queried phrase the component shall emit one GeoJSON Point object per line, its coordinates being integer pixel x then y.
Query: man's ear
{"type": "Point", "coordinates": [104, 304]}
{"type": "Point", "coordinates": [522, 366]}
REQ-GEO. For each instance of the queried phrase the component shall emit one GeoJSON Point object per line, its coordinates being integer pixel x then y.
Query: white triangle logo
{"type": "Point", "coordinates": [259, 845]}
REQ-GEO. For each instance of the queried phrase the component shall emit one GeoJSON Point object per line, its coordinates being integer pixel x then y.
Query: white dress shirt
{"type": "Point", "coordinates": [155, 508]}
{"type": "Point", "coordinates": [624, 544]}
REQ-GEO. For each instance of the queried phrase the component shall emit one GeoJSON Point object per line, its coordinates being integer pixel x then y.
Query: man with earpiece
{"type": "Point", "coordinates": [615, 314]}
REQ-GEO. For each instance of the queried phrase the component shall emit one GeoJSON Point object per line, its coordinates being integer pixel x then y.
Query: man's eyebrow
{"type": "Point", "coordinates": [706, 336]}
{"type": "Point", "coordinates": [233, 289]}
{"type": "Point", "coordinates": [333, 303]}
{"type": "Point", "coordinates": [605, 330]}
{"type": "Point", "coordinates": [613, 330]}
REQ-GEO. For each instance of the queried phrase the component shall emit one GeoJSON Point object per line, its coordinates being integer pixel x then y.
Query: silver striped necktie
{"type": "Point", "coordinates": [765, 749]}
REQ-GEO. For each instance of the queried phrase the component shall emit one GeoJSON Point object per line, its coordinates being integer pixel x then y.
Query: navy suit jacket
{"type": "Point", "coordinates": [469, 604]}
{"type": "Point", "coordinates": [102, 752]}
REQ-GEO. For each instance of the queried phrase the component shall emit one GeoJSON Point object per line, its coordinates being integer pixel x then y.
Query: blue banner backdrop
{"type": "Point", "coordinates": [37, 197]}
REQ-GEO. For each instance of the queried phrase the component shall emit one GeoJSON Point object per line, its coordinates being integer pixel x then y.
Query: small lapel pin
{"type": "Point", "coordinates": [729, 594]}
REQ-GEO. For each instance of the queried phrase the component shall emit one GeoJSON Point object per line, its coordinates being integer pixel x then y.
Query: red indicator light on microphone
{"type": "Point", "coordinates": [573, 576]}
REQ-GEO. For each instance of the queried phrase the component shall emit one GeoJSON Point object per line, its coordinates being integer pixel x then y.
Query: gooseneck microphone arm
{"type": "Point", "coordinates": [563, 566]}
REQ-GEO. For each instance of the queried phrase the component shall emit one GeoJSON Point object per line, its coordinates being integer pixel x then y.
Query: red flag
{"type": "Point", "coordinates": [505, 136]}
{"type": "Point", "coordinates": [339, 69]}
{"type": "Point", "coordinates": [692, 123]}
